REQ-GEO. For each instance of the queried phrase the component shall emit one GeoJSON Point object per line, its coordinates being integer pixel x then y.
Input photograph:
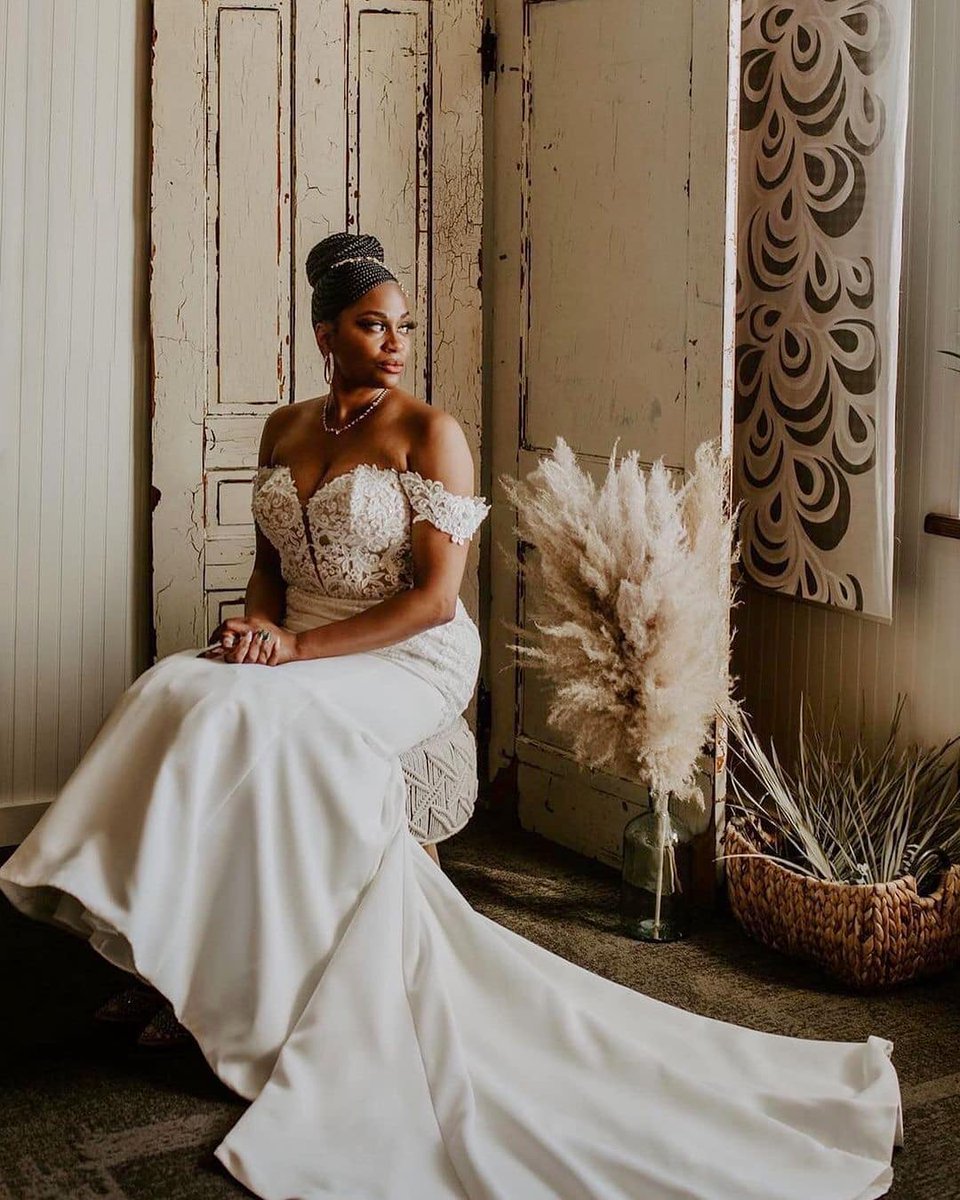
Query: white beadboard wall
{"type": "Point", "coordinates": [786, 649]}
{"type": "Point", "coordinates": [74, 550]}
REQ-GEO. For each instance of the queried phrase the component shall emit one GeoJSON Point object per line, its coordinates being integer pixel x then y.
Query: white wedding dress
{"type": "Point", "coordinates": [236, 834]}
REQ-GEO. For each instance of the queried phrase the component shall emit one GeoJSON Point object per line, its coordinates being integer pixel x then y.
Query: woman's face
{"type": "Point", "coordinates": [371, 339]}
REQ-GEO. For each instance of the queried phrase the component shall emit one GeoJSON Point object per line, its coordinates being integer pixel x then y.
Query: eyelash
{"type": "Point", "coordinates": [405, 325]}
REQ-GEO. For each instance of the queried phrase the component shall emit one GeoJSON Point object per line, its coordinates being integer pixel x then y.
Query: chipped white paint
{"type": "Point", "coordinates": [248, 211]}
{"type": "Point", "coordinates": [178, 311]}
{"type": "Point", "coordinates": [607, 225]}
{"type": "Point", "coordinates": [614, 135]}
{"type": "Point", "coordinates": [240, 96]}
{"type": "Point", "coordinates": [221, 283]}
{"type": "Point", "coordinates": [456, 218]}
{"type": "Point", "coordinates": [73, 386]}
{"type": "Point", "coordinates": [389, 138]}
{"type": "Point", "coordinates": [230, 440]}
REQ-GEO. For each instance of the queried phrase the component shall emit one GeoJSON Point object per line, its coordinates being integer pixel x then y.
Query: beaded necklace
{"type": "Point", "coordinates": [337, 430]}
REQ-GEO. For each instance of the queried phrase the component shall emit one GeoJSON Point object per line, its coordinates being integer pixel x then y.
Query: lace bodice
{"type": "Point", "coordinates": [352, 538]}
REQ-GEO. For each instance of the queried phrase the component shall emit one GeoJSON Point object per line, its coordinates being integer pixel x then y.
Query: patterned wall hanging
{"type": "Point", "coordinates": [824, 88]}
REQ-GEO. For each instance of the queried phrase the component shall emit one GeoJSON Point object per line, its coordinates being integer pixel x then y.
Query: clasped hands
{"type": "Point", "coordinates": [238, 640]}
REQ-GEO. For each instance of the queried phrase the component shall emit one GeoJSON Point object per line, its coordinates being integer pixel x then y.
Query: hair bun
{"type": "Point", "coordinates": [336, 247]}
{"type": "Point", "coordinates": [358, 259]}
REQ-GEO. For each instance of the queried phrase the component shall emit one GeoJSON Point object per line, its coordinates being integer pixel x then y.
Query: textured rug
{"type": "Point", "coordinates": [86, 1116]}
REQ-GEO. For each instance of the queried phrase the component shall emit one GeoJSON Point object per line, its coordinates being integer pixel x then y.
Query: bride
{"type": "Point", "coordinates": [236, 837]}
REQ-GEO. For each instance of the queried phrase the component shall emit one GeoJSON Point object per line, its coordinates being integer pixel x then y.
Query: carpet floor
{"type": "Point", "coordinates": [85, 1115]}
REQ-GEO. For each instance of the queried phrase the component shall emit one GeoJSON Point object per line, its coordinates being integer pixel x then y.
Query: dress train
{"type": "Point", "coordinates": [237, 836]}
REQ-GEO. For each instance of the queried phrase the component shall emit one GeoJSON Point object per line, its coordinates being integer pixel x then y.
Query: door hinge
{"type": "Point", "coordinates": [488, 51]}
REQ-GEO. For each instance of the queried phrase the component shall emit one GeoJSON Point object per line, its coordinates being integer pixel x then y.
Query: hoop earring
{"type": "Point", "coordinates": [328, 368]}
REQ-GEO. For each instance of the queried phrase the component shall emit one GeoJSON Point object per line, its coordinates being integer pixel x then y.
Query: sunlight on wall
{"type": "Point", "coordinates": [73, 370]}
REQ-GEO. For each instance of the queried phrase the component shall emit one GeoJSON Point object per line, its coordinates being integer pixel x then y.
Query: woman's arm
{"type": "Point", "coordinates": [266, 594]}
{"type": "Point", "coordinates": [441, 453]}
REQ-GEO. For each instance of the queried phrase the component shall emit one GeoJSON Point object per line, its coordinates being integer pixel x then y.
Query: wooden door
{"type": "Point", "coordinates": [614, 140]}
{"type": "Point", "coordinates": [275, 124]}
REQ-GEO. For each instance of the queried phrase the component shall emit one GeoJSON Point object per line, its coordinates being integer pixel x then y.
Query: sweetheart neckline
{"type": "Point", "coordinates": [329, 482]}
{"type": "Point", "coordinates": [362, 466]}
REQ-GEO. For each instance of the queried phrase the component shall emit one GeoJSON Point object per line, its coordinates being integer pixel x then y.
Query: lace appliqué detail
{"type": "Point", "coordinates": [279, 516]}
{"type": "Point", "coordinates": [352, 538]}
{"type": "Point", "coordinates": [459, 516]}
{"type": "Point", "coordinates": [351, 541]}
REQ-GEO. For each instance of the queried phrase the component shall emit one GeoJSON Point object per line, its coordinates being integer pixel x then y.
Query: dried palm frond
{"type": "Point", "coordinates": [631, 589]}
{"type": "Point", "coordinates": [849, 815]}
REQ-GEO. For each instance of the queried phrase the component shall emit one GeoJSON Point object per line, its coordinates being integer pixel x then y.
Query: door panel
{"type": "Point", "coordinates": [249, 207]}
{"type": "Point", "coordinates": [390, 76]}
{"type": "Point", "coordinates": [274, 125]}
{"type": "Point", "coordinates": [612, 307]}
{"type": "Point", "coordinates": [607, 222]}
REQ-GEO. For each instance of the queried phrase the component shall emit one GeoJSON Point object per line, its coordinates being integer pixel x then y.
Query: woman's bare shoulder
{"type": "Point", "coordinates": [437, 446]}
{"type": "Point", "coordinates": [282, 420]}
{"type": "Point", "coordinates": [285, 415]}
{"type": "Point", "coordinates": [290, 412]}
{"type": "Point", "coordinates": [422, 422]}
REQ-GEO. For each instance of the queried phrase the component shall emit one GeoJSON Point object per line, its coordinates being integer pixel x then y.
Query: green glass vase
{"type": "Point", "coordinates": [653, 904]}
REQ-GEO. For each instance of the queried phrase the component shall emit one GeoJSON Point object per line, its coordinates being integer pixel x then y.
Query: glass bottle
{"type": "Point", "coordinates": [643, 865]}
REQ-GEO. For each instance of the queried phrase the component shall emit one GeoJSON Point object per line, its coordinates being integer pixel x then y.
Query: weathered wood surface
{"type": "Point", "coordinates": [390, 138]}
{"type": "Point", "coordinates": [248, 209]}
{"type": "Point", "coordinates": [269, 134]}
{"type": "Point", "coordinates": [612, 268]}
{"type": "Point", "coordinates": [178, 292]}
{"type": "Point", "coordinates": [607, 227]}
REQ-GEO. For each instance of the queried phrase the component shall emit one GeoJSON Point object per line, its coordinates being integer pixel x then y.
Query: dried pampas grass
{"type": "Point", "coordinates": [631, 592]}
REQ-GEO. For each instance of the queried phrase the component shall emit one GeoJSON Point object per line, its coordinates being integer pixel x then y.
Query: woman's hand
{"type": "Point", "coordinates": [256, 641]}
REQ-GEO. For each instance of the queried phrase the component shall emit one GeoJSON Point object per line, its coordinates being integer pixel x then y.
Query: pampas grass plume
{"type": "Point", "coordinates": [631, 620]}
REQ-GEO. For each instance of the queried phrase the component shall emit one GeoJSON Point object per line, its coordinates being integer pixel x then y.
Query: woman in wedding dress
{"type": "Point", "coordinates": [236, 836]}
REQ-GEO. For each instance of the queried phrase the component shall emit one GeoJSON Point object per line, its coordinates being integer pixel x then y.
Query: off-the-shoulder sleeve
{"type": "Point", "coordinates": [459, 516]}
{"type": "Point", "coordinates": [261, 476]}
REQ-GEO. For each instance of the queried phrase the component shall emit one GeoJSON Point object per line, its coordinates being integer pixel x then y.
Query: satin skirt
{"type": "Point", "coordinates": [446, 656]}
{"type": "Point", "coordinates": [236, 835]}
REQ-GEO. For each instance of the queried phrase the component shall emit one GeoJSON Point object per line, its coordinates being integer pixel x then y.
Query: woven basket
{"type": "Point", "coordinates": [868, 935]}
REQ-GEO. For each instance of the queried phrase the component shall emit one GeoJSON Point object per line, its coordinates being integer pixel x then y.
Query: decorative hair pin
{"type": "Point", "coordinates": [367, 258]}
{"type": "Point", "coordinates": [362, 258]}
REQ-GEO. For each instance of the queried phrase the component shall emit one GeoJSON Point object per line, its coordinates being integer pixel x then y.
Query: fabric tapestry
{"type": "Point", "coordinates": [823, 96]}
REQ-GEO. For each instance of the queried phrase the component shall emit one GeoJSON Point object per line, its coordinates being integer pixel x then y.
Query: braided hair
{"type": "Point", "coordinates": [341, 269]}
